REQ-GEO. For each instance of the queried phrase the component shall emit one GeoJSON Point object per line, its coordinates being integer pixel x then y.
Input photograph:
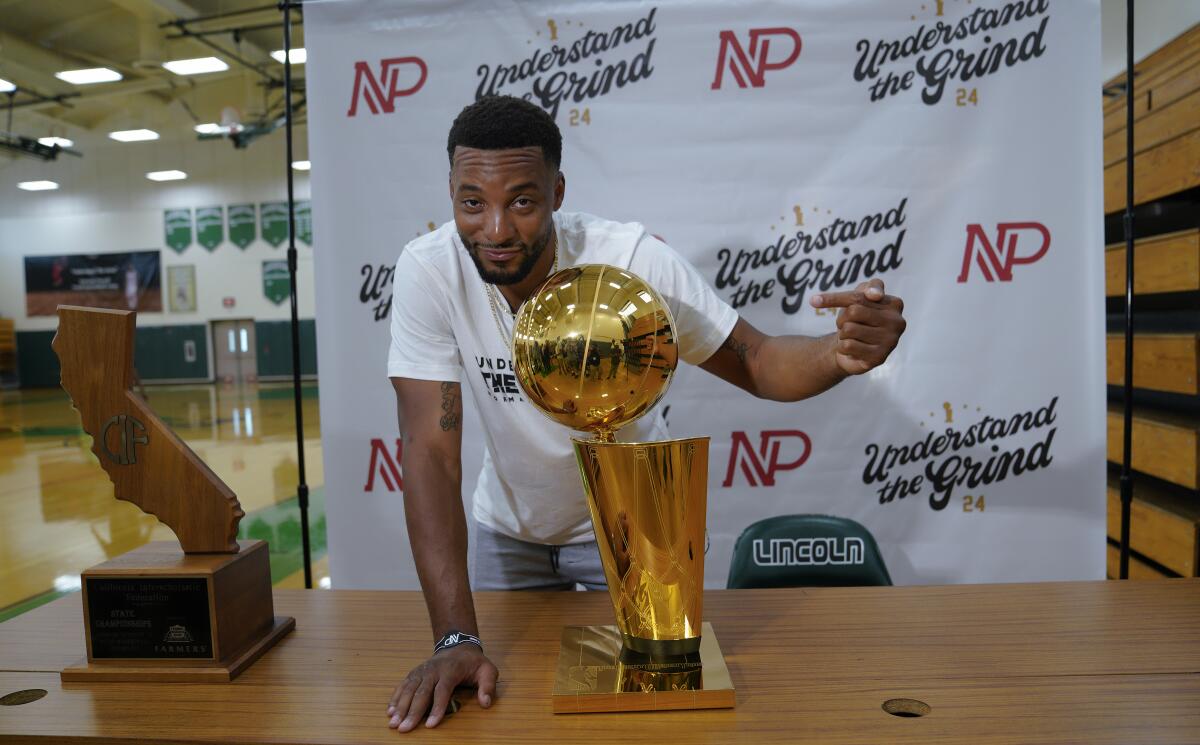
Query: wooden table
{"type": "Point", "coordinates": [1086, 662]}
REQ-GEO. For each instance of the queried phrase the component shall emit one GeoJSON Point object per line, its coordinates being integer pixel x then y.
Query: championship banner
{"type": "Point", "coordinates": [242, 220]}
{"type": "Point", "coordinates": [304, 222]}
{"type": "Point", "coordinates": [122, 281]}
{"type": "Point", "coordinates": [952, 150]}
{"type": "Point", "coordinates": [210, 226]}
{"type": "Point", "coordinates": [274, 217]}
{"type": "Point", "coordinates": [177, 229]}
{"type": "Point", "coordinates": [277, 284]}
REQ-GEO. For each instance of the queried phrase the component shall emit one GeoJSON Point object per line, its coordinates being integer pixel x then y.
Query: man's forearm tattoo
{"type": "Point", "coordinates": [738, 348]}
{"type": "Point", "coordinates": [451, 406]}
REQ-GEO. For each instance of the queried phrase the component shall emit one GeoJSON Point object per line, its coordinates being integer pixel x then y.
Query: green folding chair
{"type": "Point", "coordinates": [806, 551]}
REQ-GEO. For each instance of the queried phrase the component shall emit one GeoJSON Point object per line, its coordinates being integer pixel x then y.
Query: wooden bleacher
{"type": "Point", "coordinates": [1165, 514]}
{"type": "Point", "coordinates": [1166, 126]}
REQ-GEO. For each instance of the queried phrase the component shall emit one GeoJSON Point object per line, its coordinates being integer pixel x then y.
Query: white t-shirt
{"type": "Point", "coordinates": [443, 328]}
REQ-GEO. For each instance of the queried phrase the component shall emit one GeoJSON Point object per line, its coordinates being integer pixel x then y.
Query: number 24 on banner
{"type": "Point", "coordinates": [580, 116]}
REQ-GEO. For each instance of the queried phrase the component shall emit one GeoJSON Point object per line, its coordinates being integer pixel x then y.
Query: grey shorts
{"type": "Point", "coordinates": [499, 562]}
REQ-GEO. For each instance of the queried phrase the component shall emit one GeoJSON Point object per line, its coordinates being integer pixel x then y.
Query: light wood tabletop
{"type": "Point", "coordinates": [1086, 662]}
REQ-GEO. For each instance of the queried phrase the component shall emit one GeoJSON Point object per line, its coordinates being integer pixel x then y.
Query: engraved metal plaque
{"type": "Point", "coordinates": [147, 618]}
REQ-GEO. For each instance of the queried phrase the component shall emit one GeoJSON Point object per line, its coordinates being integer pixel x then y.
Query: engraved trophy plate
{"type": "Point", "coordinates": [136, 618]}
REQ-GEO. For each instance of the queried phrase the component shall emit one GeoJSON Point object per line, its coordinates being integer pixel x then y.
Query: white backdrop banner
{"type": "Point", "coordinates": [785, 148]}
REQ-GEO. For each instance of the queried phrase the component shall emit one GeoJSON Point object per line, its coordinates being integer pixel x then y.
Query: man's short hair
{"type": "Point", "coordinates": [505, 122]}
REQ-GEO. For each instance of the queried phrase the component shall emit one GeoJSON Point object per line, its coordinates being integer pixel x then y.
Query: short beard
{"type": "Point", "coordinates": [529, 256]}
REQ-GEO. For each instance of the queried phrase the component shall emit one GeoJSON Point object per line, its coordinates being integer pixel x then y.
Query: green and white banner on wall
{"type": "Point", "coordinates": [276, 283]}
{"type": "Point", "coordinates": [274, 222]}
{"type": "Point", "coordinates": [304, 221]}
{"type": "Point", "coordinates": [210, 226]}
{"type": "Point", "coordinates": [177, 229]}
{"type": "Point", "coordinates": [242, 221]}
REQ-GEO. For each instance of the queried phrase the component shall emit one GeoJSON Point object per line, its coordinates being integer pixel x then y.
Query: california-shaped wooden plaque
{"type": "Point", "coordinates": [199, 611]}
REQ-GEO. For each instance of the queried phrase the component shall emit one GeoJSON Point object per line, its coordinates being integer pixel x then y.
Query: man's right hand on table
{"type": "Point", "coordinates": [426, 692]}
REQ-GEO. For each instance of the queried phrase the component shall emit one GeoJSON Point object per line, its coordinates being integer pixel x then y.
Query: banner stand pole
{"type": "Point", "coordinates": [1126, 474]}
{"type": "Point", "coordinates": [302, 487]}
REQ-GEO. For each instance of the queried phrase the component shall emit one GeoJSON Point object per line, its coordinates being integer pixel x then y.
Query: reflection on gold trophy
{"type": "Point", "coordinates": [594, 348]}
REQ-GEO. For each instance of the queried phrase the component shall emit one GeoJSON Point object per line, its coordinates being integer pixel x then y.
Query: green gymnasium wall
{"type": "Point", "coordinates": [159, 353]}
{"type": "Point", "coordinates": [274, 341]}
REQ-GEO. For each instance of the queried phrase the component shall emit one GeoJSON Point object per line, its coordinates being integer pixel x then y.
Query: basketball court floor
{"type": "Point", "coordinates": [58, 515]}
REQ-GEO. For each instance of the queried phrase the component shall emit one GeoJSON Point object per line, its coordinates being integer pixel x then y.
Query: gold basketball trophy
{"type": "Point", "coordinates": [594, 348]}
{"type": "Point", "coordinates": [202, 614]}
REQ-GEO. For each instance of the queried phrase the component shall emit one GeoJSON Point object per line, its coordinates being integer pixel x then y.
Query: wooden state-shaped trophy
{"type": "Point", "coordinates": [197, 611]}
{"type": "Point", "coordinates": [594, 348]}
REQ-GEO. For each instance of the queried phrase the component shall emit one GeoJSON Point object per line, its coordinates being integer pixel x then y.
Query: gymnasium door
{"type": "Point", "coordinates": [233, 342]}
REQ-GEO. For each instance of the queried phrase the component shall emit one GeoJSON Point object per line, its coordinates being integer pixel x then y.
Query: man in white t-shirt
{"type": "Point", "coordinates": [455, 294]}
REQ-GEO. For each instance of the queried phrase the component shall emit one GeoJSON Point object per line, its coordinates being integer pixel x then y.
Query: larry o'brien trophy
{"type": "Point", "coordinates": [158, 613]}
{"type": "Point", "coordinates": [594, 348]}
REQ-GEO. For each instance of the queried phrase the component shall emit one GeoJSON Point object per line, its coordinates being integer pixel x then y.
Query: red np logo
{"type": "Point", "coordinates": [759, 467]}
{"type": "Point", "coordinates": [996, 262]}
{"type": "Point", "coordinates": [753, 66]}
{"type": "Point", "coordinates": [385, 466]}
{"type": "Point", "coordinates": [378, 96]}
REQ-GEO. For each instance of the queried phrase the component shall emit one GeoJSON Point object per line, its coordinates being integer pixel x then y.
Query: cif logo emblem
{"type": "Point", "coordinates": [760, 467]}
{"type": "Point", "coordinates": [754, 65]}
{"type": "Point", "coordinates": [997, 262]}
{"type": "Point", "coordinates": [132, 432]}
{"type": "Point", "coordinates": [385, 466]}
{"type": "Point", "coordinates": [382, 92]}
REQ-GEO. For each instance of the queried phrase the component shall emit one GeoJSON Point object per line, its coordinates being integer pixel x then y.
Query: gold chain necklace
{"type": "Point", "coordinates": [494, 301]}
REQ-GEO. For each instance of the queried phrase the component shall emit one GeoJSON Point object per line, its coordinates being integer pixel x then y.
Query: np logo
{"type": "Point", "coordinates": [132, 432]}
{"type": "Point", "coordinates": [760, 467]}
{"type": "Point", "coordinates": [178, 635]}
{"type": "Point", "coordinates": [383, 465]}
{"type": "Point", "coordinates": [753, 66]}
{"type": "Point", "coordinates": [802, 552]}
{"type": "Point", "coordinates": [381, 93]}
{"type": "Point", "coordinates": [997, 262]}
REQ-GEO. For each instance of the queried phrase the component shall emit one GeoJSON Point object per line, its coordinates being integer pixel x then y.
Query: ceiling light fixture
{"type": "Point", "coordinates": [89, 76]}
{"type": "Point", "coordinates": [299, 56]}
{"type": "Point", "coordinates": [166, 175]}
{"type": "Point", "coordinates": [197, 66]}
{"type": "Point", "coordinates": [6, 87]}
{"type": "Point", "coordinates": [301, 165]}
{"type": "Point", "coordinates": [134, 135]}
{"type": "Point", "coordinates": [37, 185]}
{"type": "Point", "coordinates": [52, 141]}
{"type": "Point", "coordinates": [211, 128]}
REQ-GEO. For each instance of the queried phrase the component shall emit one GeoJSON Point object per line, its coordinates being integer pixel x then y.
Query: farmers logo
{"type": "Point", "coordinates": [575, 70]}
{"type": "Point", "coordinates": [979, 44]}
{"type": "Point", "coordinates": [751, 68]}
{"type": "Point", "coordinates": [795, 263]}
{"type": "Point", "coordinates": [996, 261]}
{"type": "Point", "coordinates": [759, 467]}
{"type": "Point", "coordinates": [380, 93]}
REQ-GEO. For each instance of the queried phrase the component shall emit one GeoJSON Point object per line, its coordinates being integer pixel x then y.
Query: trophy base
{"type": "Point", "coordinates": [159, 614]}
{"type": "Point", "coordinates": [597, 673]}
{"type": "Point", "coordinates": [141, 671]}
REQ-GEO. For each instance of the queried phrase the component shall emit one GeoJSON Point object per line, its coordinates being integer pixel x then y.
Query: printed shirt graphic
{"type": "Point", "coordinates": [443, 328]}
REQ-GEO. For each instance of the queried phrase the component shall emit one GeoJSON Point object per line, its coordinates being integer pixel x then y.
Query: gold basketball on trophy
{"type": "Point", "coordinates": [594, 348]}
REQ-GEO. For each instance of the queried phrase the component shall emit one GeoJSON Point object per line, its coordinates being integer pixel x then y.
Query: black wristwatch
{"type": "Point", "coordinates": [454, 638]}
